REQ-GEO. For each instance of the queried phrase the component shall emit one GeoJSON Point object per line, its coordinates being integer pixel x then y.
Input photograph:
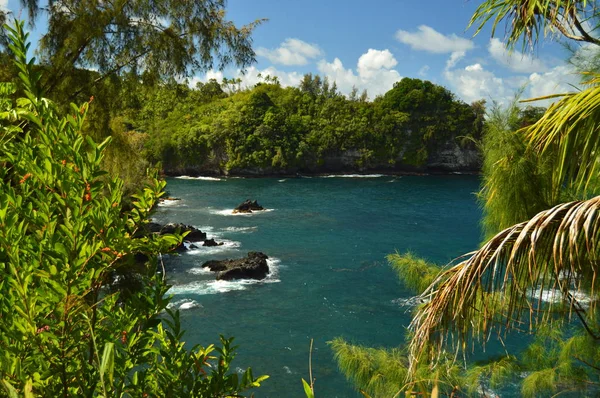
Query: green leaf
{"type": "Point", "coordinates": [108, 361]}
{"type": "Point", "coordinates": [12, 393]}
{"type": "Point", "coordinates": [28, 390]}
{"type": "Point", "coordinates": [307, 389]}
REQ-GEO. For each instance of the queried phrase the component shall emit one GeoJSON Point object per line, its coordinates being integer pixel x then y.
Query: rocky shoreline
{"type": "Point", "coordinates": [254, 266]}
{"type": "Point", "coordinates": [389, 173]}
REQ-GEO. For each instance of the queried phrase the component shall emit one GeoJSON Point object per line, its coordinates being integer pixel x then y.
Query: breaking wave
{"type": "Point", "coordinates": [214, 287]}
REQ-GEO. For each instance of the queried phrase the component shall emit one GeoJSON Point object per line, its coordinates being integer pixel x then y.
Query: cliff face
{"type": "Point", "coordinates": [452, 157]}
{"type": "Point", "coordinates": [447, 158]}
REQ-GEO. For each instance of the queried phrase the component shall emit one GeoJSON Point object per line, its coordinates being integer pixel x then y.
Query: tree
{"type": "Point", "coordinates": [63, 237]}
{"type": "Point", "coordinates": [161, 37]}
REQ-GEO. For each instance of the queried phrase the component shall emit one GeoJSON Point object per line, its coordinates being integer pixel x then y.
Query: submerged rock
{"type": "Point", "coordinates": [211, 242]}
{"type": "Point", "coordinates": [248, 206]}
{"type": "Point", "coordinates": [252, 267]}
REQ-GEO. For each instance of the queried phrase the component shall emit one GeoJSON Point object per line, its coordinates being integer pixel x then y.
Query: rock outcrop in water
{"type": "Point", "coordinates": [252, 267]}
{"type": "Point", "coordinates": [211, 243]}
{"type": "Point", "coordinates": [248, 206]}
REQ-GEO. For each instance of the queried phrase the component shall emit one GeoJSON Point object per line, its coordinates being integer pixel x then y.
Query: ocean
{"type": "Point", "coordinates": [327, 239]}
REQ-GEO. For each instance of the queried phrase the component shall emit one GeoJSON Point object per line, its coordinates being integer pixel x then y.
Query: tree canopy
{"type": "Point", "coordinates": [158, 37]}
{"type": "Point", "coordinates": [273, 129]}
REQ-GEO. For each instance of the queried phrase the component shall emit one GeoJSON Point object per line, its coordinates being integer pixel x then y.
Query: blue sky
{"type": "Point", "coordinates": [372, 44]}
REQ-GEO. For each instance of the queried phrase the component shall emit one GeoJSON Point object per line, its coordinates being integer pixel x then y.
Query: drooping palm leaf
{"type": "Point", "coordinates": [503, 286]}
{"type": "Point", "coordinates": [527, 20]}
{"type": "Point", "coordinates": [570, 129]}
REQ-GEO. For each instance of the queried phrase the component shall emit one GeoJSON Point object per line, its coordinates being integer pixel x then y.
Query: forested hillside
{"type": "Point", "coordinates": [269, 129]}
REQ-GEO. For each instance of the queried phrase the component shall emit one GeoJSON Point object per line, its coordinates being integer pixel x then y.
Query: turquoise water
{"type": "Point", "coordinates": [327, 238]}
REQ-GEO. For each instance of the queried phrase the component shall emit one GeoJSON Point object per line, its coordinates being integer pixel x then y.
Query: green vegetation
{"type": "Point", "coordinates": [271, 129]}
{"type": "Point", "coordinates": [105, 49]}
{"type": "Point", "coordinates": [126, 55]}
{"type": "Point", "coordinates": [536, 274]}
{"type": "Point", "coordinates": [64, 239]}
{"type": "Point", "coordinates": [66, 236]}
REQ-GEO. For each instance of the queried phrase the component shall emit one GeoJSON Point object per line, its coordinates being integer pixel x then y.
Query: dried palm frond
{"type": "Point", "coordinates": [504, 285]}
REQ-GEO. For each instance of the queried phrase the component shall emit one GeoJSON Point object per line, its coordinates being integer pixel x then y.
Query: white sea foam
{"type": "Point", "coordinates": [200, 178]}
{"type": "Point", "coordinates": [353, 176]}
{"type": "Point", "coordinates": [214, 286]}
{"type": "Point", "coordinates": [240, 229]}
{"type": "Point", "coordinates": [555, 296]}
{"type": "Point", "coordinates": [407, 302]}
{"type": "Point", "coordinates": [226, 246]}
{"type": "Point", "coordinates": [170, 203]}
{"type": "Point", "coordinates": [229, 212]}
{"type": "Point", "coordinates": [283, 180]}
{"type": "Point", "coordinates": [199, 271]}
{"type": "Point", "coordinates": [184, 304]}
{"type": "Point", "coordinates": [204, 228]}
{"type": "Point", "coordinates": [208, 287]}
{"type": "Point", "coordinates": [274, 266]}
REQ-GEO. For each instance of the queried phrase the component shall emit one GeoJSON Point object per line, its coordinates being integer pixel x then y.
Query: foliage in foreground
{"type": "Point", "coordinates": [539, 274]}
{"type": "Point", "coordinates": [63, 237]}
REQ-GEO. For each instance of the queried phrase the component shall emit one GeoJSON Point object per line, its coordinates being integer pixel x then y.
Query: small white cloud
{"type": "Point", "coordinates": [430, 40]}
{"type": "Point", "coordinates": [4, 5]}
{"type": "Point", "coordinates": [217, 75]}
{"type": "Point", "coordinates": [375, 60]}
{"type": "Point", "coordinates": [558, 80]}
{"type": "Point", "coordinates": [374, 73]}
{"type": "Point", "coordinates": [291, 52]}
{"type": "Point", "coordinates": [473, 83]}
{"type": "Point", "coordinates": [515, 61]}
{"type": "Point", "coordinates": [250, 77]}
{"type": "Point", "coordinates": [454, 58]}
{"type": "Point", "coordinates": [423, 71]}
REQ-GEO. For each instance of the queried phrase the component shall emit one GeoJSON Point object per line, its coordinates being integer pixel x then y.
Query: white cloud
{"type": "Point", "coordinates": [515, 61]}
{"type": "Point", "coordinates": [4, 5]}
{"type": "Point", "coordinates": [375, 60]}
{"type": "Point", "coordinates": [430, 40]}
{"type": "Point", "coordinates": [423, 71]}
{"type": "Point", "coordinates": [454, 58]}
{"type": "Point", "coordinates": [374, 73]}
{"type": "Point", "coordinates": [250, 78]}
{"type": "Point", "coordinates": [558, 80]}
{"type": "Point", "coordinates": [291, 52]}
{"type": "Point", "coordinates": [473, 83]}
{"type": "Point", "coordinates": [212, 74]}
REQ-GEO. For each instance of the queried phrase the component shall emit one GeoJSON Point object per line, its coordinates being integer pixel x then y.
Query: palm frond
{"type": "Point", "coordinates": [527, 20]}
{"type": "Point", "coordinates": [570, 129]}
{"type": "Point", "coordinates": [505, 285]}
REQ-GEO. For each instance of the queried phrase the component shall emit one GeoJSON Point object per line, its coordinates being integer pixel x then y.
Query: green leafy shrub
{"type": "Point", "coordinates": [63, 237]}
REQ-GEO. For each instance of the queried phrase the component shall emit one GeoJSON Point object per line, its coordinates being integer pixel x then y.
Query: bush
{"type": "Point", "coordinates": [63, 237]}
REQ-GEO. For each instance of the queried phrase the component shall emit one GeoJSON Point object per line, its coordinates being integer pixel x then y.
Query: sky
{"type": "Point", "coordinates": [373, 44]}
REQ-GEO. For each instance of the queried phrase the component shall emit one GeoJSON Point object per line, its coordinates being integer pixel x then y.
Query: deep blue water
{"type": "Point", "coordinates": [328, 238]}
